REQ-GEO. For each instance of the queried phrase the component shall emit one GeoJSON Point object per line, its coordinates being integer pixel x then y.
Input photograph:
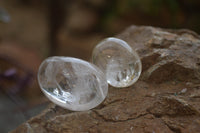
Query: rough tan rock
{"type": "Point", "coordinates": [166, 54]}
{"type": "Point", "coordinates": [166, 99]}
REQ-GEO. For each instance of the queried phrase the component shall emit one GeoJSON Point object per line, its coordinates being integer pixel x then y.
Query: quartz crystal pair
{"type": "Point", "coordinates": [79, 85]}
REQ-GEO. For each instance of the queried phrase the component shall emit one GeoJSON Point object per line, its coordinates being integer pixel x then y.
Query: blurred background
{"type": "Point", "coordinates": [32, 30]}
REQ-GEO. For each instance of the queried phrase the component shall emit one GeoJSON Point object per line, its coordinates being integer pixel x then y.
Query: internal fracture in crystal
{"type": "Point", "coordinates": [118, 61]}
{"type": "Point", "coordinates": [72, 83]}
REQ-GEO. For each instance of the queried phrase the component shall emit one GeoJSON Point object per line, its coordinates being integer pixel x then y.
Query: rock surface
{"type": "Point", "coordinates": [166, 99]}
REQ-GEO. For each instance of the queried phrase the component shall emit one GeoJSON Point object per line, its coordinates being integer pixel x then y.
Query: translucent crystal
{"type": "Point", "coordinates": [118, 61]}
{"type": "Point", "coordinates": [72, 83]}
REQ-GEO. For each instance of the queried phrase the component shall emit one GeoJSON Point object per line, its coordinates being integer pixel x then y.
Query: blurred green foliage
{"type": "Point", "coordinates": [178, 13]}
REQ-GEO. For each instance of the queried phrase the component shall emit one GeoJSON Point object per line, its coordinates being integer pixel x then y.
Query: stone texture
{"type": "Point", "coordinates": [166, 99]}
{"type": "Point", "coordinates": [166, 54]}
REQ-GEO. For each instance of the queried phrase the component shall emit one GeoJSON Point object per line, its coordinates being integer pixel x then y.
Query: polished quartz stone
{"type": "Point", "coordinates": [72, 83]}
{"type": "Point", "coordinates": [118, 61]}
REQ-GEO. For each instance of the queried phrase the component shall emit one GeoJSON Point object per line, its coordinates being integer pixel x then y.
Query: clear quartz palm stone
{"type": "Point", "coordinates": [72, 83]}
{"type": "Point", "coordinates": [119, 62]}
